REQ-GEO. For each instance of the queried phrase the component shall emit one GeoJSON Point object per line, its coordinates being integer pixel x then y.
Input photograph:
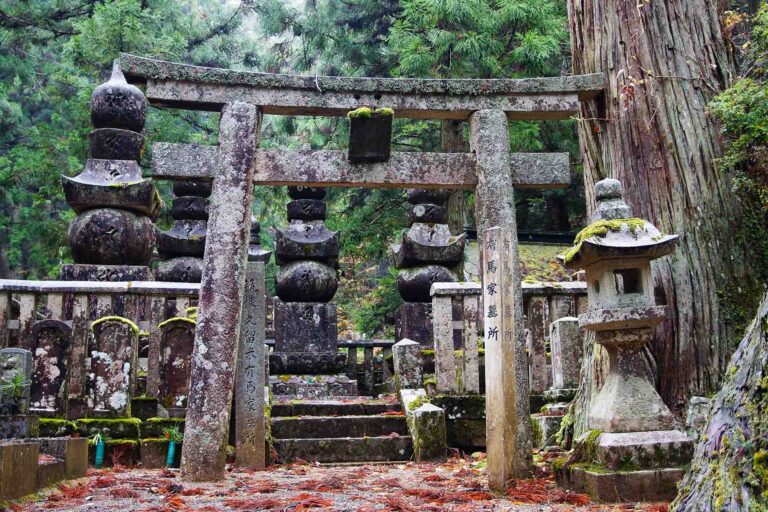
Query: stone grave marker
{"type": "Point", "coordinates": [113, 363]}
{"type": "Point", "coordinates": [177, 339]}
{"type": "Point", "coordinates": [51, 346]}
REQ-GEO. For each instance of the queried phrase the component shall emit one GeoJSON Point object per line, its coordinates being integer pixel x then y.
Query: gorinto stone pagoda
{"type": "Point", "coordinates": [112, 237]}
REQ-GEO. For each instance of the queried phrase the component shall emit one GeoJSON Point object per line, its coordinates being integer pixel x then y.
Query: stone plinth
{"type": "Point", "coordinates": [109, 273]}
{"type": "Point", "coordinates": [305, 339]}
{"type": "Point", "coordinates": [19, 426]}
{"type": "Point", "coordinates": [414, 321]}
{"type": "Point", "coordinates": [408, 364]}
{"type": "Point", "coordinates": [312, 387]}
{"type": "Point", "coordinates": [18, 469]}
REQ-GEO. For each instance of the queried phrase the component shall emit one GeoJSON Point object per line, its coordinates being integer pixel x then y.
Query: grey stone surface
{"type": "Point", "coordinates": [250, 432]}
{"type": "Point", "coordinates": [414, 321]}
{"type": "Point", "coordinates": [109, 236]}
{"type": "Point", "coordinates": [427, 427]}
{"type": "Point", "coordinates": [697, 415]}
{"type": "Point", "coordinates": [547, 426]}
{"type": "Point", "coordinates": [319, 168]}
{"type": "Point", "coordinates": [305, 327]}
{"type": "Point", "coordinates": [115, 144]}
{"type": "Point", "coordinates": [19, 426]}
{"type": "Point", "coordinates": [111, 184]}
{"type": "Point", "coordinates": [566, 347]}
{"type": "Point", "coordinates": [16, 361]}
{"type": "Point", "coordinates": [177, 338]}
{"type": "Point", "coordinates": [221, 293]}
{"type": "Point", "coordinates": [312, 387]}
{"type": "Point", "coordinates": [72, 450]}
{"type": "Point", "coordinates": [429, 243]}
{"type": "Point", "coordinates": [118, 104]}
{"type": "Point", "coordinates": [644, 450]}
{"type": "Point", "coordinates": [408, 364]}
{"type": "Point", "coordinates": [306, 281]}
{"type": "Point", "coordinates": [51, 345]}
{"type": "Point", "coordinates": [113, 362]}
{"type": "Point", "coordinates": [309, 240]}
{"type": "Point", "coordinates": [18, 469]}
{"type": "Point", "coordinates": [84, 275]}
{"type": "Point", "coordinates": [356, 449]}
{"type": "Point", "coordinates": [414, 283]}
{"type": "Point", "coordinates": [651, 485]}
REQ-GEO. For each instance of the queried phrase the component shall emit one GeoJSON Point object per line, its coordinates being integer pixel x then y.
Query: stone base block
{"type": "Point", "coordinates": [467, 435]}
{"type": "Point", "coordinates": [622, 486]}
{"type": "Point", "coordinates": [19, 426]}
{"type": "Point", "coordinates": [544, 428]}
{"type": "Point", "coordinates": [118, 451]}
{"type": "Point", "coordinates": [50, 472]}
{"type": "Point", "coordinates": [312, 387]}
{"type": "Point", "coordinates": [305, 327]}
{"type": "Point", "coordinates": [73, 451]}
{"type": "Point", "coordinates": [111, 273]}
{"type": "Point", "coordinates": [307, 363]}
{"type": "Point", "coordinates": [427, 428]}
{"type": "Point", "coordinates": [143, 408]}
{"type": "Point", "coordinates": [18, 469]}
{"type": "Point", "coordinates": [414, 321]}
{"type": "Point", "coordinates": [644, 450]}
{"type": "Point", "coordinates": [76, 408]}
{"type": "Point", "coordinates": [560, 394]}
{"type": "Point", "coordinates": [556, 409]}
{"type": "Point", "coordinates": [154, 453]}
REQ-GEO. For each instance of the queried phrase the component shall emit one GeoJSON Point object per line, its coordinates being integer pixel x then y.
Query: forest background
{"type": "Point", "coordinates": [54, 52]}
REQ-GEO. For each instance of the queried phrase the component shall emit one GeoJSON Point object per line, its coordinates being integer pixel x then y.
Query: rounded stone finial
{"type": "Point", "coordinates": [608, 189]}
{"type": "Point", "coordinates": [118, 104]}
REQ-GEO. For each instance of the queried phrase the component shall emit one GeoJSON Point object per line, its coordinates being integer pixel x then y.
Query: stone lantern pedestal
{"type": "Point", "coordinates": [633, 451]}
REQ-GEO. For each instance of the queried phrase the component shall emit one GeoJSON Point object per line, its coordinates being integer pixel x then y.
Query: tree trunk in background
{"type": "Point", "coordinates": [664, 61]}
{"type": "Point", "coordinates": [730, 466]}
{"type": "Point", "coordinates": [452, 138]}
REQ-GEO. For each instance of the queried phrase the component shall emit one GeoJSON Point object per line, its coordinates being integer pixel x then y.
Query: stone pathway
{"type": "Point", "coordinates": [457, 485]}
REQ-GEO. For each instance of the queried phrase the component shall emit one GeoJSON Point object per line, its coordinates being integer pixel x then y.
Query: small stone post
{"type": "Point", "coordinates": [508, 428]}
{"type": "Point", "coordinates": [250, 431]}
{"type": "Point", "coordinates": [408, 364]}
{"type": "Point", "coordinates": [565, 340]}
{"type": "Point", "coordinates": [221, 293]}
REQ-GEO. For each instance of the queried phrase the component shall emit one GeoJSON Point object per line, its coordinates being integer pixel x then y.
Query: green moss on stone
{"type": "Point", "coordinates": [56, 427]}
{"type": "Point", "coordinates": [128, 428]}
{"type": "Point", "coordinates": [600, 229]}
{"type": "Point", "coordinates": [177, 319]}
{"type": "Point", "coordinates": [154, 427]}
{"type": "Point", "coordinates": [537, 434]}
{"type": "Point", "coordinates": [116, 319]}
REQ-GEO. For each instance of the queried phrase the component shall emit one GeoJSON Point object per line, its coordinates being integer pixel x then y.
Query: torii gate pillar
{"type": "Point", "coordinates": [221, 294]}
{"type": "Point", "coordinates": [508, 429]}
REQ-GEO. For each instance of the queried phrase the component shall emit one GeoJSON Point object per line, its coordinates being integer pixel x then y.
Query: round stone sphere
{"type": "Point", "coordinates": [306, 281]}
{"type": "Point", "coordinates": [118, 104]}
{"type": "Point", "coordinates": [107, 236]}
{"type": "Point", "coordinates": [608, 188]}
{"type": "Point", "coordinates": [414, 283]}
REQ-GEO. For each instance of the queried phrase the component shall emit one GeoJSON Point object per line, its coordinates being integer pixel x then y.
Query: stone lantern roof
{"type": "Point", "coordinates": [614, 233]}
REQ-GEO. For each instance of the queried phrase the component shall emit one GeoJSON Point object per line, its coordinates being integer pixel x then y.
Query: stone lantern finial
{"type": "Point", "coordinates": [609, 194]}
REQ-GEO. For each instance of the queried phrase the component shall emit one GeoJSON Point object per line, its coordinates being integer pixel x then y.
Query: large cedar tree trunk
{"type": "Point", "coordinates": [730, 466]}
{"type": "Point", "coordinates": [664, 61]}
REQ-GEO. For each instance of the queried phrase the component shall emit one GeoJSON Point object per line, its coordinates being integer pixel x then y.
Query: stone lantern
{"type": "Point", "coordinates": [635, 427]}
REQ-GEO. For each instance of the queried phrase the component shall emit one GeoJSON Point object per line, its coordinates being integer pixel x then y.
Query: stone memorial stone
{"type": "Point", "coordinates": [408, 364]}
{"type": "Point", "coordinates": [177, 338]}
{"type": "Point", "coordinates": [427, 253]}
{"type": "Point", "coordinates": [113, 363]}
{"type": "Point", "coordinates": [566, 346]}
{"type": "Point", "coordinates": [112, 236]}
{"type": "Point", "coordinates": [15, 362]}
{"type": "Point", "coordinates": [51, 348]}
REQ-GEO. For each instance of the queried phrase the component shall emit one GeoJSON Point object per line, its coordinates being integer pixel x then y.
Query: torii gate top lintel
{"type": "Point", "coordinates": [202, 88]}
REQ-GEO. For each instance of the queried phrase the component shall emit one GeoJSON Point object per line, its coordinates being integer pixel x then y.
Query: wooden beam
{"type": "Point", "coordinates": [331, 168]}
{"type": "Point", "coordinates": [200, 88]}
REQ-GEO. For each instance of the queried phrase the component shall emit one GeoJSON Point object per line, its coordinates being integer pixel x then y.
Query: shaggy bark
{"type": "Point", "coordinates": [664, 61]}
{"type": "Point", "coordinates": [730, 467]}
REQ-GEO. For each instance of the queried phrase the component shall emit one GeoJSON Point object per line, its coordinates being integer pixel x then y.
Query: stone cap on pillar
{"type": "Point", "coordinates": [451, 289]}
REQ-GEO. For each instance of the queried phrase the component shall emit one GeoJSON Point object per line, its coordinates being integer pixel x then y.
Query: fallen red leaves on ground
{"type": "Point", "coordinates": [542, 490]}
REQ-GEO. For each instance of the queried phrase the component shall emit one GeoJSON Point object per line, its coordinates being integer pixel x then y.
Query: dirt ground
{"type": "Point", "coordinates": [457, 485]}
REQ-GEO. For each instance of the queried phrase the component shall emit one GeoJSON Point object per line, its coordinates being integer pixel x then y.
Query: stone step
{"type": "Point", "coordinates": [354, 406]}
{"type": "Point", "coordinates": [337, 426]}
{"type": "Point", "coordinates": [355, 449]}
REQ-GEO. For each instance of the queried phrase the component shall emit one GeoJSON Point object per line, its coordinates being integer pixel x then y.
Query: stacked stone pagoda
{"type": "Point", "coordinates": [427, 254]}
{"type": "Point", "coordinates": [305, 320]}
{"type": "Point", "coordinates": [112, 237]}
{"type": "Point", "coordinates": [183, 245]}
{"type": "Point", "coordinates": [637, 454]}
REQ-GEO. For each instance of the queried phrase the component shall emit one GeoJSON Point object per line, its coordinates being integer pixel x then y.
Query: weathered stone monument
{"type": "Point", "coordinates": [638, 455]}
{"type": "Point", "coordinates": [427, 253]}
{"type": "Point", "coordinates": [177, 338]}
{"type": "Point", "coordinates": [15, 375]}
{"type": "Point", "coordinates": [306, 336]}
{"type": "Point", "coordinates": [567, 351]}
{"type": "Point", "coordinates": [184, 244]}
{"type": "Point", "coordinates": [51, 346]}
{"type": "Point", "coordinates": [250, 426]}
{"type": "Point", "coordinates": [112, 236]}
{"type": "Point", "coordinates": [113, 363]}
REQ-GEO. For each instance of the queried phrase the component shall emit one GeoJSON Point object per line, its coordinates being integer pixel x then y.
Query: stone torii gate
{"type": "Point", "coordinates": [236, 164]}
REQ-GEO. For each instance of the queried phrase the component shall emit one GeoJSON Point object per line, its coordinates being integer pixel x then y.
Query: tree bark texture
{"type": "Point", "coordinates": [665, 60]}
{"type": "Point", "coordinates": [730, 466]}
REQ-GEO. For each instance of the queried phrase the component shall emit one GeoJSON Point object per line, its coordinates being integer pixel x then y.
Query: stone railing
{"type": "Point", "coordinates": [145, 303]}
{"type": "Point", "coordinates": [457, 319]}
{"type": "Point", "coordinates": [456, 372]}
